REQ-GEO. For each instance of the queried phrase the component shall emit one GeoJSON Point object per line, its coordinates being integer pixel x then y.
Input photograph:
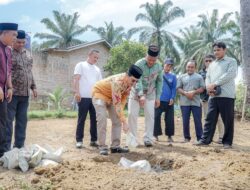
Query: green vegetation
{"type": "Point", "coordinates": [40, 114]}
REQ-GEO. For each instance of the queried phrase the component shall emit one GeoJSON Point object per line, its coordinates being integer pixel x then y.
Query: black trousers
{"type": "Point", "coordinates": [224, 107]}
{"type": "Point", "coordinates": [85, 106]}
{"type": "Point", "coordinates": [3, 121]}
{"type": "Point", "coordinates": [17, 110]}
{"type": "Point", "coordinates": [169, 119]}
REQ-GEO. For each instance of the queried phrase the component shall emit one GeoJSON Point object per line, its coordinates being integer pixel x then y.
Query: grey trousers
{"type": "Point", "coordinates": [101, 109]}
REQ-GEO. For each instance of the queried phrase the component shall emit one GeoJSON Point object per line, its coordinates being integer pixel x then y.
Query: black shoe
{"type": "Point", "coordinates": [200, 143]}
{"type": "Point", "coordinates": [94, 144]}
{"type": "Point", "coordinates": [119, 150]}
{"type": "Point", "coordinates": [148, 144]}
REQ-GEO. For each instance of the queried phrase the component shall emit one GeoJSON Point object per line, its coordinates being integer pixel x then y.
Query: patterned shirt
{"type": "Point", "coordinates": [222, 73]}
{"type": "Point", "coordinates": [190, 83]}
{"type": "Point", "coordinates": [22, 77]}
{"type": "Point", "coordinates": [5, 66]}
{"type": "Point", "coordinates": [150, 83]}
{"type": "Point", "coordinates": [113, 89]}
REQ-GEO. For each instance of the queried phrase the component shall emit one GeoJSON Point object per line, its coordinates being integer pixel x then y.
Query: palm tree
{"type": "Point", "coordinates": [234, 45]}
{"type": "Point", "coordinates": [64, 31]}
{"type": "Point", "coordinates": [158, 16]}
{"type": "Point", "coordinates": [245, 44]}
{"type": "Point", "coordinates": [185, 44]}
{"type": "Point", "coordinates": [57, 97]}
{"type": "Point", "coordinates": [211, 29]}
{"type": "Point", "coordinates": [113, 35]}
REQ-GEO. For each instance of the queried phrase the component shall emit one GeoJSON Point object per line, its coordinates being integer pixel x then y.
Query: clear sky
{"type": "Point", "coordinates": [28, 13]}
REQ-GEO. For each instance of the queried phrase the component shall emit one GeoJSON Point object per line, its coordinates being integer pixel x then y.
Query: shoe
{"type": "Point", "coordinates": [170, 139]}
{"type": "Point", "coordinates": [119, 150]}
{"type": "Point", "coordinates": [186, 140]}
{"type": "Point", "coordinates": [148, 144]}
{"type": "Point", "coordinates": [219, 141]}
{"type": "Point", "coordinates": [93, 144]}
{"type": "Point", "coordinates": [79, 145]}
{"type": "Point", "coordinates": [200, 143]}
{"type": "Point", "coordinates": [227, 146]}
{"type": "Point", "coordinates": [104, 151]}
{"type": "Point", "coordinates": [156, 138]}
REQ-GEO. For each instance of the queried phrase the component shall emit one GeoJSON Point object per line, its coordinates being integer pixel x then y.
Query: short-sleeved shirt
{"type": "Point", "coordinates": [90, 74]}
{"type": "Point", "coordinates": [190, 83]}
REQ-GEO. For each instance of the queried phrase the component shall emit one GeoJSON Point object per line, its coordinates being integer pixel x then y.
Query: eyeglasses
{"type": "Point", "coordinates": [208, 60]}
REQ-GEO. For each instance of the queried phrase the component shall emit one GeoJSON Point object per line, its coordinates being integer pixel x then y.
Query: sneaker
{"type": "Point", "coordinates": [156, 138]}
{"type": "Point", "coordinates": [186, 140]}
{"type": "Point", "coordinates": [227, 146]}
{"type": "Point", "coordinates": [219, 141]}
{"type": "Point", "coordinates": [148, 144]}
{"type": "Point", "coordinates": [119, 150]}
{"type": "Point", "coordinates": [200, 143]}
{"type": "Point", "coordinates": [93, 144]}
{"type": "Point", "coordinates": [170, 139]}
{"type": "Point", "coordinates": [104, 151]}
{"type": "Point", "coordinates": [79, 145]}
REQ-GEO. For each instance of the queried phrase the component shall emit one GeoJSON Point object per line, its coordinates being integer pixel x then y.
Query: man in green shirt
{"type": "Point", "coordinates": [146, 94]}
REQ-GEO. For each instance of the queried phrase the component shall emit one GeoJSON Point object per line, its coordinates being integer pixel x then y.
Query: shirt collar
{"type": "Point", "coordinates": [223, 58]}
{"type": "Point", "coordinates": [22, 51]}
{"type": "Point", "coordinates": [2, 45]}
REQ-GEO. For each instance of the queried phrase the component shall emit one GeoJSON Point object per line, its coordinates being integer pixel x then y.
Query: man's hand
{"type": "Point", "coordinates": [142, 101]}
{"type": "Point", "coordinates": [190, 95]}
{"type": "Point", "coordinates": [125, 127]}
{"type": "Point", "coordinates": [1, 95]}
{"type": "Point", "coordinates": [211, 87]}
{"type": "Point", "coordinates": [9, 95]}
{"type": "Point", "coordinates": [157, 103]}
{"type": "Point", "coordinates": [171, 102]}
{"type": "Point", "coordinates": [34, 91]}
{"type": "Point", "coordinates": [77, 97]}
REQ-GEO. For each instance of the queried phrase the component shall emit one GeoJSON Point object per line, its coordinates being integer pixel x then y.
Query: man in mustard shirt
{"type": "Point", "coordinates": [111, 94]}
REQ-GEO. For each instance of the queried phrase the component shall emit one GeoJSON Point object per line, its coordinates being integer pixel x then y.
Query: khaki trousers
{"type": "Point", "coordinates": [101, 109]}
{"type": "Point", "coordinates": [149, 112]}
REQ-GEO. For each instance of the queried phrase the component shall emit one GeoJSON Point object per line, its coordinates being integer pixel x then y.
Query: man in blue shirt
{"type": "Point", "coordinates": [166, 102]}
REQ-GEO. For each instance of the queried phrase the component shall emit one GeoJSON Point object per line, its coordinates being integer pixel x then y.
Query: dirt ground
{"type": "Point", "coordinates": [183, 166]}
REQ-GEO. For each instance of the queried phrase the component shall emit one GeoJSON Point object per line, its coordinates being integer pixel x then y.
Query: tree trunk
{"type": "Point", "coordinates": [245, 44]}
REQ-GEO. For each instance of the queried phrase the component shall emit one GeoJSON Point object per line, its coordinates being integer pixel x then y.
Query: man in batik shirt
{"type": "Point", "coordinates": [110, 95]}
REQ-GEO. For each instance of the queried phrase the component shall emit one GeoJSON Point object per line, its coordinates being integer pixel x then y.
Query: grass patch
{"type": "Point", "coordinates": [42, 114]}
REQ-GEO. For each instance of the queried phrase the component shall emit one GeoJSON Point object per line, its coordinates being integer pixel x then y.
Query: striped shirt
{"type": "Point", "coordinates": [222, 73]}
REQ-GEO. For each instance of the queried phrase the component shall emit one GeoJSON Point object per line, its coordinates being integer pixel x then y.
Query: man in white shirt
{"type": "Point", "coordinates": [86, 74]}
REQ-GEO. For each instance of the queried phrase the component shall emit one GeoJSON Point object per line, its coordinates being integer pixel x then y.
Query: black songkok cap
{"type": "Point", "coordinates": [8, 26]}
{"type": "Point", "coordinates": [153, 50]}
{"type": "Point", "coordinates": [135, 71]}
{"type": "Point", "coordinates": [20, 34]}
